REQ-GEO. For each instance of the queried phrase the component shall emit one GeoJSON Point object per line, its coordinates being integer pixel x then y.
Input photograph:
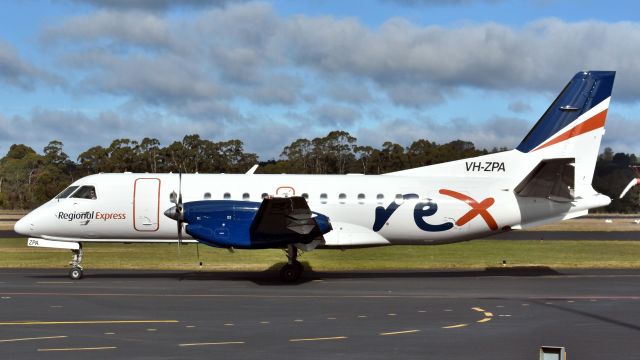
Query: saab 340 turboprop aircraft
{"type": "Point", "coordinates": [546, 178]}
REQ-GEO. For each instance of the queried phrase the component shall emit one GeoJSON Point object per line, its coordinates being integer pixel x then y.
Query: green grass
{"type": "Point", "coordinates": [477, 254]}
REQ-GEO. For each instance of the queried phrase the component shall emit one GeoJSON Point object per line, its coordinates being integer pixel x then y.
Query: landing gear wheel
{"type": "Point", "coordinates": [293, 269]}
{"type": "Point", "coordinates": [290, 273]}
{"type": "Point", "coordinates": [76, 264]}
{"type": "Point", "coordinates": [75, 273]}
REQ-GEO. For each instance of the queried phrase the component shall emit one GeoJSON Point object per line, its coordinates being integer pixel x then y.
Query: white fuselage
{"type": "Point", "coordinates": [364, 210]}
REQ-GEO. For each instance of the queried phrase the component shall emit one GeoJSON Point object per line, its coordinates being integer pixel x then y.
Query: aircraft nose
{"type": "Point", "coordinates": [23, 226]}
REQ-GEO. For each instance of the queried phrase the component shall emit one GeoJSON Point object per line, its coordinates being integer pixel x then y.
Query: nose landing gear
{"type": "Point", "coordinates": [76, 264]}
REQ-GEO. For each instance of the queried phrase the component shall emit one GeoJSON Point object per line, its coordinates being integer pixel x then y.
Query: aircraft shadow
{"type": "Point", "coordinates": [590, 315]}
{"type": "Point", "coordinates": [270, 277]}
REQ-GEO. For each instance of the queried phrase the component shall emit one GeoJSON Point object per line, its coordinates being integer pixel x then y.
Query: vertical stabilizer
{"type": "Point", "coordinates": [573, 125]}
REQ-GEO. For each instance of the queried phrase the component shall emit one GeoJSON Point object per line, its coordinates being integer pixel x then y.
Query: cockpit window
{"type": "Point", "coordinates": [85, 192]}
{"type": "Point", "coordinates": [66, 192]}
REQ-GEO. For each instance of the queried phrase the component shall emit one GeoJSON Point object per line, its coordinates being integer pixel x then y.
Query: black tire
{"type": "Point", "coordinates": [75, 273]}
{"type": "Point", "coordinates": [290, 273]}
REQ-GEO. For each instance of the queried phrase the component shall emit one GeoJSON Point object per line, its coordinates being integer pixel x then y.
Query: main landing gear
{"type": "Point", "coordinates": [76, 264]}
{"type": "Point", "coordinates": [292, 271]}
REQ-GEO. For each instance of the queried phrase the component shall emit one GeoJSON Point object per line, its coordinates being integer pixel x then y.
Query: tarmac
{"type": "Point", "coordinates": [500, 313]}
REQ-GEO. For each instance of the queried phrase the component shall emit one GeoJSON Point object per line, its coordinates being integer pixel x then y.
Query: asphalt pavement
{"type": "Point", "coordinates": [493, 314]}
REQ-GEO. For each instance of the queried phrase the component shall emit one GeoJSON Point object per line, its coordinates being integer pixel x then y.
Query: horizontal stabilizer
{"type": "Point", "coordinates": [552, 179]}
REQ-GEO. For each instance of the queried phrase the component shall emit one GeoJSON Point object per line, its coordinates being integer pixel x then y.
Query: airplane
{"type": "Point", "coordinates": [546, 178]}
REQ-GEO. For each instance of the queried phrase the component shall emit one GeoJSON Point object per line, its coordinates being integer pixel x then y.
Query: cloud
{"type": "Point", "coordinates": [154, 5]}
{"type": "Point", "coordinates": [247, 49]}
{"type": "Point", "coordinates": [335, 116]}
{"type": "Point", "coordinates": [494, 132]}
{"type": "Point", "coordinates": [620, 134]}
{"type": "Point", "coordinates": [79, 131]}
{"type": "Point", "coordinates": [16, 72]}
{"type": "Point", "coordinates": [130, 29]}
{"type": "Point", "coordinates": [225, 67]}
{"type": "Point", "coordinates": [413, 3]}
{"type": "Point", "coordinates": [519, 106]}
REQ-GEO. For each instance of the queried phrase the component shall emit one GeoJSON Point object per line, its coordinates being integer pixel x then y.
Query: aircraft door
{"type": "Point", "coordinates": [146, 204]}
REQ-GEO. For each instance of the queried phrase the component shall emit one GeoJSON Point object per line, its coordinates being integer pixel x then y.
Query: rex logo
{"type": "Point", "coordinates": [429, 208]}
{"type": "Point", "coordinates": [477, 208]}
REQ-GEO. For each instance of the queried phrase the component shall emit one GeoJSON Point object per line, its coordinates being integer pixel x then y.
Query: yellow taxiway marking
{"type": "Point", "coordinates": [399, 332]}
{"type": "Point", "coordinates": [478, 309]}
{"type": "Point", "coordinates": [488, 314]}
{"type": "Point", "coordinates": [392, 314]}
{"type": "Point", "coordinates": [88, 322]}
{"type": "Point", "coordinates": [454, 326]}
{"type": "Point", "coordinates": [319, 339]}
{"type": "Point", "coordinates": [34, 338]}
{"type": "Point", "coordinates": [81, 349]}
{"type": "Point", "coordinates": [109, 333]}
{"type": "Point", "coordinates": [213, 343]}
{"type": "Point", "coordinates": [484, 320]}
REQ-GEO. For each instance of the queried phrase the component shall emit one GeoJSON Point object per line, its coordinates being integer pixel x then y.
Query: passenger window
{"type": "Point", "coordinates": [264, 195]}
{"type": "Point", "coordinates": [85, 192]}
{"type": "Point", "coordinates": [207, 195]}
{"type": "Point", "coordinates": [66, 192]}
{"type": "Point", "coordinates": [398, 196]}
{"type": "Point", "coordinates": [380, 197]}
{"type": "Point", "coordinates": [361, 198]}
{"type": "Point", "coordinates": [245, 196]}
{"type": "Point", "coordinates": [305, 196]}
{"type": "Point", "coordinates": [343, 198]}
{"type": "Point", "coordinates": [323, 198]}
{"type": "Point", "coordinates": [226, 196]}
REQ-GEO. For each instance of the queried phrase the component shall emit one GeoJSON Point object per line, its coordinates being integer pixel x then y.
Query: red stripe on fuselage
{"type": "Point", "coordinates": [595, 122]}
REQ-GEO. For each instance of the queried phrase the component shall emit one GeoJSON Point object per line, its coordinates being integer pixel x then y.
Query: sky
{"type": "Point", "coordinates": [86, 72]}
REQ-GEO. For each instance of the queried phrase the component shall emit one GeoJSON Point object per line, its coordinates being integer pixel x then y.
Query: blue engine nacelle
{"type": "Point", "coordinates": [252, 225]}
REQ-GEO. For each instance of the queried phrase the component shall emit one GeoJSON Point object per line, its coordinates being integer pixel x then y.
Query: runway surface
{"type": "Point", "coordinates": [497, 314]}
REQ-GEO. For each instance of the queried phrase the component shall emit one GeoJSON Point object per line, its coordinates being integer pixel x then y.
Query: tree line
{"type": "Point", "coordinates": [28, 179]}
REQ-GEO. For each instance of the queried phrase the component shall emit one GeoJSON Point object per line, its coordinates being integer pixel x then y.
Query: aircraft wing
{"type": "Point", "coordinates": [286, 216]}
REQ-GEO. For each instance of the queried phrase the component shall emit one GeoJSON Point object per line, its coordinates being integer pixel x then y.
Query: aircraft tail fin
{"type": "Point", "coordinates": [564, 142]}
{"type": "Point", "coordinates": [581, 107]}
{"type": "Point", "coordinates": [572, 127]}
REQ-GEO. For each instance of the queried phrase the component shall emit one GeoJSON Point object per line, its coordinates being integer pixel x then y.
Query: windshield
{"type": "Point", "coordinates": [66, 192]}
{"type": "Point", "coordinates": [85, 192]}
